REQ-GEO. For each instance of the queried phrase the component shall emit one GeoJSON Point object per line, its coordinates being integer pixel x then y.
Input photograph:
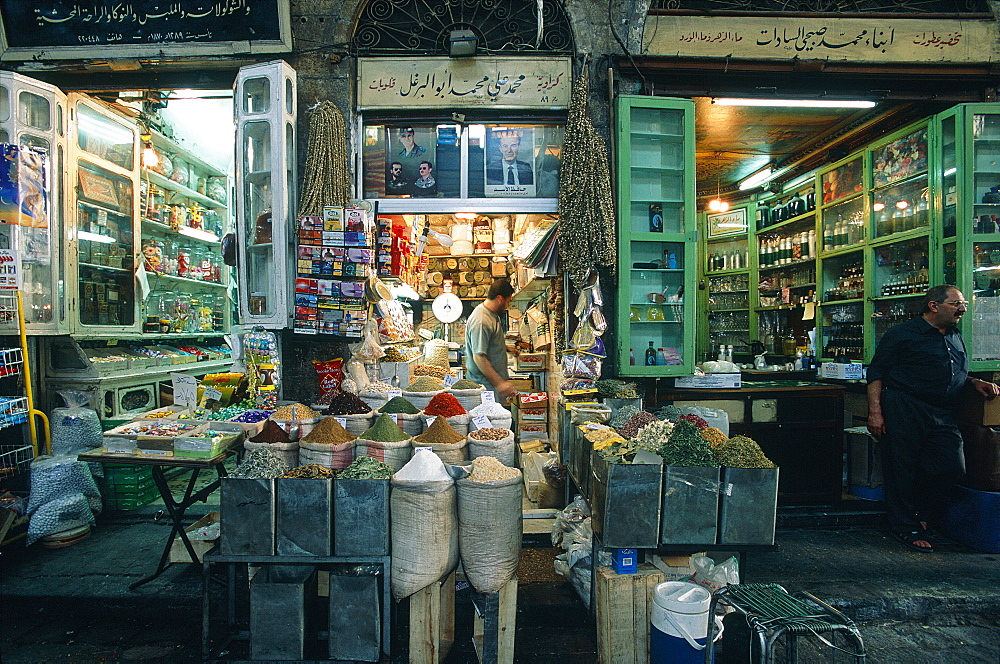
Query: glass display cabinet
{"type": "Point", "coordinates": [842, 307]}
{"type": "Point", "coordinates": [657, 237]}
{"type": "Point", "coordinates": [265, 185]}
{"type": "Point", "coordinates": [103, 157]}
{"type": "Point", "coordinates": [33, 129]}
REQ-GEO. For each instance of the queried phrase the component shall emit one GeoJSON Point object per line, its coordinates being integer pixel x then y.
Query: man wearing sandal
{"type": "Point", "coordinates": [915, 381]}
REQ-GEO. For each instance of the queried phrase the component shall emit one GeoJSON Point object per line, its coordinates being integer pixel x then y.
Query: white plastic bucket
{"type": "Point", "coordinates": [679, 623]}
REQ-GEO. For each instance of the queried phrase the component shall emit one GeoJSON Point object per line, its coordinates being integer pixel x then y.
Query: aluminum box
{"type": "Point", "coordinates": [748, 505]}
{"type": "Point", "coordinates": [303, 517]}
{"type": "Point", "coordinates": [361, 517]}
{"type": "Point", "coordinates": [625, 503]}
{"type": "Point", "coordinates": [246, 510]}
{"type": "Point", "coordinates": [690, 505]}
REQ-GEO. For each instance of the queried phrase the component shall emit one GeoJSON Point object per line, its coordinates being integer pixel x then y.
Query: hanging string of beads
{"type": "Point", "coordinates": [327, 180]}
{"type": "Point", "coordinates": [586, 211]}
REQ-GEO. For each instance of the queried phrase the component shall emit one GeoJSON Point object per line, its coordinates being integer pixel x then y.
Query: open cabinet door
{"type": "Point", "coordinates": [32, 200]}
{"type": "Point", "coordinates": [265, 103]}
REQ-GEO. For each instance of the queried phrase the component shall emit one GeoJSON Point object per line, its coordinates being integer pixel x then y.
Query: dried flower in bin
{"type": "Point", "coordinates": [636, 422]}
{"type": "Point", "coordinates": [686, 447]}
{"type": "Point", "coordinates": [623, 415]}
{"type": "Point", "coordinates": [714, 436]}
{"type": "Point", "coordinates": [612, 388]}
{"type": "Point", "coordinates": [669, 412]}
{"type": "Point", "coordinates": [654, 434]}
{"type": "Point", "coordinates": [695, 420]}
{"type": "Point", "coordinates": [742, 452]}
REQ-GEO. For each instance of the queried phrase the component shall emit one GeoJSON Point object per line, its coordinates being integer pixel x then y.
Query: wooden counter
{"type": "Point", "coordinates": [798, 424]}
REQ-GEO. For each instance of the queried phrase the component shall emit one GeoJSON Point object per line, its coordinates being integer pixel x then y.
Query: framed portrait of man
{"type": "Point", "coordinates": [510, 162]}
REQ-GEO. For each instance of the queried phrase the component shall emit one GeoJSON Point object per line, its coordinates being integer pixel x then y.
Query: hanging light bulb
{"type": "Point", "coordinates": [149, 156]}
{"type": "Point", "coordinates": [717, 204]}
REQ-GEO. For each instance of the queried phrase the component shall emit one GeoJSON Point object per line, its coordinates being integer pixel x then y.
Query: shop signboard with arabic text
{"type": "Point", "coordinates": [876, 39]}
{"type": "Point", "coordinates": [464, 82]}
{"type": "Point", "coordinates": [59, 29]}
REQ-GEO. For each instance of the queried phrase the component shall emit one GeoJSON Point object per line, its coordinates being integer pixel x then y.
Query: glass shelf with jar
{"type": "Point", "coordinates": [789, 245]}
{"type": "Point", "coordinates": [727, 255]}
{"type": "Point", "coordinates": [901, 269]}
{"type": "Point", "coordinates": [842, 327]}
{"type": "Point", "coordinates": [843, 277]}
{"type": "Point", "coordinates": [901, 207]}
{"type": "Point", "coordinates": [791, 210]}
{"type": "Point", "coordinates": [843, 224]}
{"type": "Point", "coordinates": [169, 311]}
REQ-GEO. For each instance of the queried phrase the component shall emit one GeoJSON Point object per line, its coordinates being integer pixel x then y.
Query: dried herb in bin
{"type": "Point", "coordinates": [631, 428]}
{"type": "Point", "coordinates": [384, 430]}
{"type": "Point", "coordinates": [714, 436]}
{"type": "Point", "coordinates": [366, 468]}
{"type": "Point", "coordinates": [686, 447]}
{"type": "Point", "coordinates": [742, 452]}
{"type": "Point", "coordinates": [426, 384]}
{"type": "Point", "coordinates": [466, 384]}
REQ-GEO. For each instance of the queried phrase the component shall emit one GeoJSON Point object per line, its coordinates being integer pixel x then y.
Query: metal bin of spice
{"type": "Point", "coordinates": [303, 516]}
{"type": "Point", "coordinates": [281, 600]}
{"type": "Point", "coordinates": [690, 505]}
{"type": "Point", "coordinates": [361, 517]}
{"type": "Point", "coordinates": [625, 503]}
{"type": "Point", "coordinates": [748, 505]}
{"type": "Point", "coordinates": [246, 508]}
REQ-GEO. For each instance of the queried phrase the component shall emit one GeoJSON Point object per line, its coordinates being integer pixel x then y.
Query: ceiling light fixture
{"type": "Point", "coordinates": [759, 178]}
{"type": "Point", "coordinates": [795, 103]}
{"type": "Point", "coordinates": [717, 204]}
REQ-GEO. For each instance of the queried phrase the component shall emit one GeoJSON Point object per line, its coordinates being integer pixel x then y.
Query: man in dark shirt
{"type": "Point", "coordinates": [914, 384]}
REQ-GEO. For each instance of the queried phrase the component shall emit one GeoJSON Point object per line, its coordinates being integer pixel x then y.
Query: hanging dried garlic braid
{"type": "Point", "coordinates": [327, 180]}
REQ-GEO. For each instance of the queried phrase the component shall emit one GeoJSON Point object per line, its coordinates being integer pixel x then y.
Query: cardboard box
{"type": "Point", "coordinates": [530, 361]}
{"type": "Point", "coordinates": [533, 401]}
{"type": "Point", "coordinates": [179, 553]}
{"type": "Point", "coordinates": [852, 371]}
{"type": "Point", "coordinates": [978, 410]}
{"type": "Point", "coordinates": [710, 381]}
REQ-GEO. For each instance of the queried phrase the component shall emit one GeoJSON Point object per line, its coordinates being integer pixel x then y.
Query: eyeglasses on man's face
{"type": "Point", "coordinates": [958, 304]}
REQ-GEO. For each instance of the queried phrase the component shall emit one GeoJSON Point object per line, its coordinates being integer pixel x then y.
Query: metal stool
{"type": "Point", "coordinates": [771, 611]}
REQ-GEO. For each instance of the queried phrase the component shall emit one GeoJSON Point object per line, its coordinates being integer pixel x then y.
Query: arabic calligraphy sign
{"type": "Point", "coordinates": [85, 28]}
{"type": "Point", "coordinates": [856, 39]}
{"type": "Point", "coordinates": [471, 82]}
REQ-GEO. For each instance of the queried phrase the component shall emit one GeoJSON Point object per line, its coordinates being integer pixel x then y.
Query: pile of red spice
{"type": "Point", "coordinates": [444, 405]}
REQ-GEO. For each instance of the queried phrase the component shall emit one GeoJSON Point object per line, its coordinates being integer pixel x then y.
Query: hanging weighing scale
{"type": "Point", "coordinates": [447, 308]}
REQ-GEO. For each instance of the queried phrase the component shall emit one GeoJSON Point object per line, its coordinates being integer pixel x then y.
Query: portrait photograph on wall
{"type": "Point", "coordinates": [510, 162]}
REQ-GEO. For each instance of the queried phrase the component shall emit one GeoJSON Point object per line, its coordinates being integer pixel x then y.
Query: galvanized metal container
{"type": "Point", "coordinates": [246, 515]}
{"type": "Point", "coordinates": [304, 517]}
{"type": "Point", "coordinates": [748, 505]}
{"type": "Point", "coordinates": [355, 618]}
{"type": "Point", "coordinates": [690, 505]}
{"type": "Point", "coordinates": [281, 602]}
{"type": "Point", "coordinates": [625, 503]}
{"type": "Point", "coordinates": [361, 517]}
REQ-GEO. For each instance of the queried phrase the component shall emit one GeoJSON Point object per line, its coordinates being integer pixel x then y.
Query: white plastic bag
{"type": "Point", "coordinates": [712, 576]}
{"type": "Point", "coordinates": [715, 417]}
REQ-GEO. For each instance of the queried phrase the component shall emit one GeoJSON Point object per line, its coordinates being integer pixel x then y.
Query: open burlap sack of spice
{"type": "Point", "coordinates": [394, 454]}
{"type": "Point", "coordinates": [494, 442]}
{"type": "Point", "coordinates": [329, 445]}
{"type": "Point", "coordinates": [460, 423]}
{"type": "Point", "coordinates": [374, 399]}
{"type": "Point", "coordinates": [420, 399]}
{"type": "Point", "coordinates": [424, 524]}
{"type": "Point", "coordinates": [448, 444]}
{"type": "Point", "coordinates": [287, 452]}
{"type": "Point", "coordinates": [489, 524]}
{"type": "Point", "coordinates": [357, 424]}
{"type": "Point", "coordinates": [468, 393]}
{"type": "Point", "coordinates": [498, 416]}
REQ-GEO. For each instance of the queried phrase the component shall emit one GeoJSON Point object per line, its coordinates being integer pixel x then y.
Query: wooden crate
{"type": "Point", "coordinates": [624, 606]}
{"type": "Point", "coordinates": [494, 625]}
{"type": "Point", "coordinates": [179, 553]}
{"type": "Point", "coordinates": [432, 621]}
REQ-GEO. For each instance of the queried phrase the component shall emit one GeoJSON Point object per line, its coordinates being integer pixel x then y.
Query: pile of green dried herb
{"type": "Point", "coordinates": [742, 452]}
{"type": "Point", "coordinates": [686, 447]}
{"type": "Point", "coordinates": [669, 412]}
{"type": "Point", "coordinates": [623, 415]}
{"type": "Point", "coordinates": [384, 430]}
{"type": "Point", "coordinates": [612, 388]}
{"type": "Point", "coordinates": [365, 468]}
{"type": "Point", "coordinates": [399, 406]}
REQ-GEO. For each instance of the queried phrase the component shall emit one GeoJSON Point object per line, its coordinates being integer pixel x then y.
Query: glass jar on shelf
{"type": "Point", "coordinates": [201, 308]}
{"type": "Point", "coordinates": [183, 261]}
{"type": "Point", "coordinates": [180, 312]}
{"type": "Point", "coordinates": [152, 253]}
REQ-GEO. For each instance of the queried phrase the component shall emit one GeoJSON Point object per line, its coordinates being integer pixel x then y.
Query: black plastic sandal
{"type": "Point", "coordinates": [910, 540]}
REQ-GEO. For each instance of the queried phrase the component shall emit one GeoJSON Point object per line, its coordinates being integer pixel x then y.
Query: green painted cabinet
{"type": "Point", "coordinates": [657, 237]}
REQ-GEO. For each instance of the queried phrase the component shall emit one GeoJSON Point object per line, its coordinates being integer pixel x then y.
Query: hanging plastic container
{"type": "Point", "coordinates": [679, 623]}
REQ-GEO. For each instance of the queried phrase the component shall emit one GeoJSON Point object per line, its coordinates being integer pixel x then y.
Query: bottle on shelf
{"type": "Point", "coordinates": [827, 237]}
{"type": "Point", "coordinates": [650, 355]}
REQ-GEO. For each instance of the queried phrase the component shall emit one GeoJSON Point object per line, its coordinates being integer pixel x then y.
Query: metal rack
{"type": "Point", "coordinates": [20, 408]}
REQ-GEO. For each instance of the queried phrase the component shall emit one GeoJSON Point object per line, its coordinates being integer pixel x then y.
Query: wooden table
{"type": "Point", "coordinates": [176, 509]}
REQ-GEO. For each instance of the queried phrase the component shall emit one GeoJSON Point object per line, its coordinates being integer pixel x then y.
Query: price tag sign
{"type": "Point", "coordinates": [395, 418]}
{"type": "Point", "coordinates": [185, 389]}
{"type": "Point", "coordinates": [211, 394]}
{"type": "Point", "coordinates": [489, 397]}
{"type": "Point", "coordinates": [430, 420]}
{"type": "Point", "coordinates": [119, 445]}
{"type": "Point", "coordinates": [482, 422]}
{"type": "Point", "coordinates": [112, 342]}
{"type": "Point", "coordinates": [450, 380]}
{"type": "Point", "coordinates": [342, 421]}
{"type": "Point", "coordinates": [392, 394]}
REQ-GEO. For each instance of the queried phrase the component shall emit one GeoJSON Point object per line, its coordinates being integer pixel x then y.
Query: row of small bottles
{"type": "Point", "coordinates": [907, 277]}
{"type": "Point", "coordinates": [846, 339]}
{"type": "Point", "coordinates": [903, 217]}
{"type": "Point", "coordinates": [181, 260]}
{"type": "Point", "coordinates": [785, 249]}
{"type": "Point", "coordinates": [843, 233]}
{"type": "Point", "coordinates": [656, 356]}
{"type": "Point", "coordinates": [986, 255]}
{"type": "Point", "coordinates": [729, 283]}
{"type": "Point", "coordinates": [986, 223]}
{"type": "Point", "coordinates": [728, 260]}
{"type": "Point", "coordinates": [850, 283]}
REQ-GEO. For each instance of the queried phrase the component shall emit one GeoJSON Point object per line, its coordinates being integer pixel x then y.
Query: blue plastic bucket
{"type": "Point", "coordinates": [679, 623]}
